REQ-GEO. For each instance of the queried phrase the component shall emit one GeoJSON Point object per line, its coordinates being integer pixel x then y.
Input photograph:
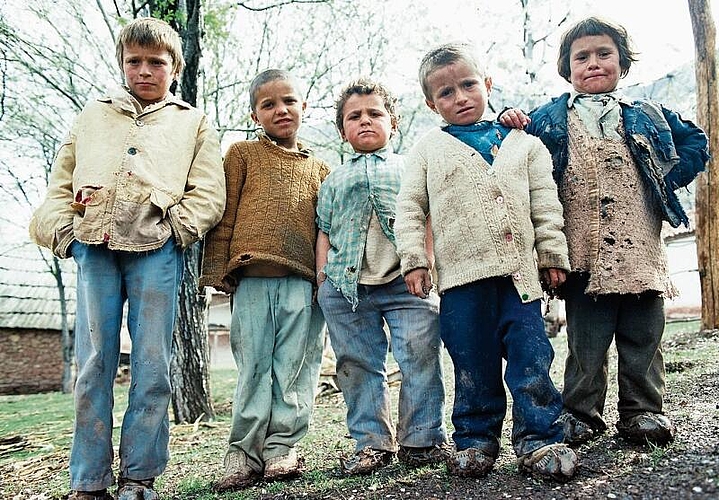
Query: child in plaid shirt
{"type": "Point", "coordinates": [361, 288]}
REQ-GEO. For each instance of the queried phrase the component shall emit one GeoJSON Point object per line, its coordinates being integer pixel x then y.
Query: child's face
{"type": "Point", "coordinates": [148, 72]}
{"type": "Point", "coordinates": [594, 64]}
{"type": "Point", "coordinates": [278, 109]}
{"type": "Point", "coordinates": [458, 93]}
{"type": "Point", "coordinates": [366, 123]}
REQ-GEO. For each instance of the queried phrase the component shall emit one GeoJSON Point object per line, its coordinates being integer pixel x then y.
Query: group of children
{"type": "Point", "coordinates": [494, 215]}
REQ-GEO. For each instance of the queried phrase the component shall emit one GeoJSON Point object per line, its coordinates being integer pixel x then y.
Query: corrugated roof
{"type": "Point", "coordinates": [28, 291]}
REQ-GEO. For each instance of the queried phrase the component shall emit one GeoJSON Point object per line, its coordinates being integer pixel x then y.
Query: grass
{"type": "Point", "coordinates": [44, 423]}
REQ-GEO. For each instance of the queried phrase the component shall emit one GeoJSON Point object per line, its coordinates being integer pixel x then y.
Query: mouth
{"type": "Point", "coordinates": [464, 110]}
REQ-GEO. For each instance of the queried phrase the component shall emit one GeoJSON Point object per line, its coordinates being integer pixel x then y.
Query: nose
{"type": "Point", "coordinates": [365, 119]}
{"type": "Point", "coordinates": [145, 69]}
{"type": "Point", "coordinates": [592, 61]}
{"type": "Point", "coordinates": [460, 96]}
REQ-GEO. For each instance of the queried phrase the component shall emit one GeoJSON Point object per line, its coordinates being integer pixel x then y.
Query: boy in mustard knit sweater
{"type": "Point", "coordinates": [494, 209]}
{"type": "Point", "coordinates": [262, 252]}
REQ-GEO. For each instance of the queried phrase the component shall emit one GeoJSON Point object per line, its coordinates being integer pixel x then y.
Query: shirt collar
{"type": "Point", "coordinates": [382, 153]}
{"type": "Point", "coordinates": [121, 97]}
{"type": "Point", "coordinates": [488, 116]}
{"type": "Point", "coordinates": [574, 95]}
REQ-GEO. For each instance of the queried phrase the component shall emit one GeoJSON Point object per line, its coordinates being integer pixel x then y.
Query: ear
{"type": "Point", "coordinates": [430, 105]}
{"type": "Point", "coordinates": [304, 106]}
{"type": "Point", "coordinates": [253, 115]}
{"type": "Point", "coordinates": [488, 84]}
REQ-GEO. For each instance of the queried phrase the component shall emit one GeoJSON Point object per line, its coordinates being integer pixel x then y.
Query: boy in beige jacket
{"type": "Point", "coordinates": [138, 179]}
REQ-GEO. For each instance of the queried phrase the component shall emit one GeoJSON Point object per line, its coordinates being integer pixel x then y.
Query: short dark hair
{"type": "Point", "coordinates": [270, 75]}
{"type": "Point", "coordinates": [365, 86]}
{"type": "Point", "coordinates": [444, 55]}
{"type": "Point", "coordinates": [595, 26]}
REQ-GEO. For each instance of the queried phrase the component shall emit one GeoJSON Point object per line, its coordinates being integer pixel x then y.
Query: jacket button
{"type": "Point", "coordinates": [139, 123]}
{"type": "Point", "coordinates": [132, 151]}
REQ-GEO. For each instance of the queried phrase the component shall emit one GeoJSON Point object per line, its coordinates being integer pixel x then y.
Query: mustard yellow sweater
{"type": "Point", "coordinates": [270, 213]}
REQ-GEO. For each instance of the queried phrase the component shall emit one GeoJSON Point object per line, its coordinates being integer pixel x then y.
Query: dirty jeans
{"type": "Point", "coordinates": [481, 323]}
{"type": "Point", "coordinates": [149, 283]}
{"type": "Point", "coordinates": [361, 346]}
{"type": "Point", "coordinates": [636, 324]}
{"type": "Point", "coordinates": [276, 339]}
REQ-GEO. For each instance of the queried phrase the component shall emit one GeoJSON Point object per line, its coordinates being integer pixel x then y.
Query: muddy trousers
{"type": "Point", "coordinates": [636, 324]}
{"type": "Point", "coordinates": [149, 283]}
{"type": "Point", "coordinates": [482, 323]}
{"type": "Point", "coordinates": [276, 339]}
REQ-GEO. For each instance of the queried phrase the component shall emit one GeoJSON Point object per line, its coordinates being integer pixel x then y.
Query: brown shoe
{"type": "Point", "coordinates": [429, 455]}
{"type": "Point", "coordinates": [89, 495]}
{"type": "Point", "coordinates": [238, 473]}
{"type": "Point", "coordinates": [576, 430]}
{"type": "Point", "coordinates": [366, 461]}
{"type": "Point", "coordinates": [556, 461]}
{"type": "Point", "coordinates": [470, 462]}
{"type": "Point", "coordinates": [647, 427]}
{"type": "Point", "coordinates": [135, 489]}
{"type": "Point", "coordinates": [285, 466]}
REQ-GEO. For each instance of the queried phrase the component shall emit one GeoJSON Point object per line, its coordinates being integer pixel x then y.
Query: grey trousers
{"type": "Point", "coordinates": [636, 324]}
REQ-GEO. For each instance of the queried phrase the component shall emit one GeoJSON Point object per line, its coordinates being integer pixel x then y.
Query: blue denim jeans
{"type": "Point", "coordinates": [361, 346]}
{"type": "Point", "coordinates": [481, 324]}
{"type": "Point", "coordinates": [149, 283]}
{"type": "Point", "coordinates": [276, 339]}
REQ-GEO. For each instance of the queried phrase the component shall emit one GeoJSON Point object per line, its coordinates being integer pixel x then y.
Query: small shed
{"type": "Point", "coordinates": [30, 319]}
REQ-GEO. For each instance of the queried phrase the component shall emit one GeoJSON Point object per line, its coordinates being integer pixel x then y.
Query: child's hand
{"type": "Point", "coordinates": [419, 282]}
{"type": "Point", "coordinates": [514, 117]}
{"type": "Point", "coordinates": [553, 278]}
{"type": "Point", "coordinates": [228, 285]}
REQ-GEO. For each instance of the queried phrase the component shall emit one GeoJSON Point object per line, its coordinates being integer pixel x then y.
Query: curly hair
{"type": "Point", "coordinates": [594, 26]}
{"type": "Point", "coordinates": [365, 86]}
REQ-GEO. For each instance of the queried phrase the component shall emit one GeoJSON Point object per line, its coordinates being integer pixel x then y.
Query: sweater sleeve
{"type": "Point", "coordinates": [546, 211]}
{"type": "Point", "coordinates": [412, 211]}
{"type": "Point", "coordinates": [217, 242]}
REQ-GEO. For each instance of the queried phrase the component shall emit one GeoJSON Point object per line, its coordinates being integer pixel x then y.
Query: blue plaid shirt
{"type": "Point", "coordinates": [349, 194]}
{"type": "Point", "coordinates": [484, 136]}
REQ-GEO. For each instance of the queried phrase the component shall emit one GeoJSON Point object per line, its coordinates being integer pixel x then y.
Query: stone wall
{"type": "Point", "coordinates": [30, 361]}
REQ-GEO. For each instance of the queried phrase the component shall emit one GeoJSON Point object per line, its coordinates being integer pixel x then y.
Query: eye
{"type": "Point", "coordinates": [352, 116]}
{"type": "Point", "coordinates": [469, 84]}
{"type": "Point", "coordinates": [446, 92]}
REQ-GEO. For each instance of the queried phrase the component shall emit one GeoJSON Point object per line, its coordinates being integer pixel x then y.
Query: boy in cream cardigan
{"type": "Point", "coordinates": [495, 219]}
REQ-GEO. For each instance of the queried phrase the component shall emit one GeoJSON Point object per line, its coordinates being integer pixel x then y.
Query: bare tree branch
{"type": "Point", "coordinates": [278, 5]}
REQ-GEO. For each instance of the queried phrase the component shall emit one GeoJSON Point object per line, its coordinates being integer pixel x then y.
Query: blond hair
{"type": "Point", "coordinates": [444, 55]}
{"type": "Point", "coordinates": [151, 32]}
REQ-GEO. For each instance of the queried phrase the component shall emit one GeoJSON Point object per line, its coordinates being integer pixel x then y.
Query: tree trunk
{"type": "Point", "coordinates": [67, 335]}
{"type": "Point", "coordinates": [707, 204]}
{"type": "Point", "coordinates": [190, 367]}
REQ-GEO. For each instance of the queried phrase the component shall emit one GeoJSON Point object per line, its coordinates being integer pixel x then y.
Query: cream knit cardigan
{"type": "Point", "coordinates": [503, 219]}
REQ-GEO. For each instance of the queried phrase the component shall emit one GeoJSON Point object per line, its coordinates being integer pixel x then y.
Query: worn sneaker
{"type": "Point", "coordinates": [471, 462]}
{"type": "Point", "coordinates": [556, 461]}
{"type": "Point", "coordinates": [365, 461]}
{"type": "Point", "coordinates": [647, 427]}
{"type": "Point", "coordinates": [134, 489]}
{"type": "Point", "coordinates": [285, 466]}
{"type": "Point", "coordinates": [421, 456]}
{"type": "Point", "coordinates": [238, 473]}
{"type": "Point", "coordinates": [90, 495]}
{"type": "Point", "coordinates": [576, 431]}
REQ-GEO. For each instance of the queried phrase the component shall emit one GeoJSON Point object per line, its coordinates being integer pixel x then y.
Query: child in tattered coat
{"type": "Point", "coordinates": [617, 164]}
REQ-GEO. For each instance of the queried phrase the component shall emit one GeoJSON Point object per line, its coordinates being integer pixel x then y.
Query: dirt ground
{"type": "Point", "coordinates": [610, 467]}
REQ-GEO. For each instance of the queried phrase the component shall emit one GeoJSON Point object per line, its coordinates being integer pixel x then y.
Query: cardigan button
{"type": "Point", "coordinates": [499, 199]}
{"type": "Point", "coordinates": [509, 237]}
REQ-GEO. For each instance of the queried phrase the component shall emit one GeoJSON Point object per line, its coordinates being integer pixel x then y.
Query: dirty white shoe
{"type": "Point", "coordinates": [285, 466]}
{"type": "Point", "coordinates": [556, 461]}
{"type": "Point", "coordinates": [238, 473]}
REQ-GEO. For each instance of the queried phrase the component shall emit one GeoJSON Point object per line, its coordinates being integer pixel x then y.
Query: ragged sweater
{"type": "Point", "coordinates": [270, 214]}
